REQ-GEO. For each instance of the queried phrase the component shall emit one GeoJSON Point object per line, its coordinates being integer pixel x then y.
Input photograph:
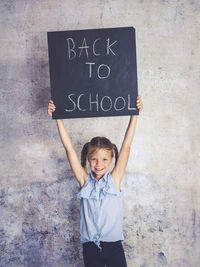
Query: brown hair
{"type": "Point", "coordinates": [98, 142]}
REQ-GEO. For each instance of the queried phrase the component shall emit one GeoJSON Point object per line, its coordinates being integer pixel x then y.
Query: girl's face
{"type": "Point", "coordinates": [100, 161]}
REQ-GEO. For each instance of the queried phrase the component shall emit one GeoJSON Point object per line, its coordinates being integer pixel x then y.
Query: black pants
{"type": "Point", "coordinates": [112, 254]}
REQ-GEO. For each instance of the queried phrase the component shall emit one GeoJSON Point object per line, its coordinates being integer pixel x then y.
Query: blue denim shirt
{"type": "Point", "coordinates": [101, 210]}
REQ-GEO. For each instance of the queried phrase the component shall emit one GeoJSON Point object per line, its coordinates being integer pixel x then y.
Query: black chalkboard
{"type": "Point", "coordinates": [93, 72]}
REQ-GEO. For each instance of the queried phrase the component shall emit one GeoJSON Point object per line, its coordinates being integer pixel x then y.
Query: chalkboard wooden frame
{"type": "Point", "coordinates": [93, 72]}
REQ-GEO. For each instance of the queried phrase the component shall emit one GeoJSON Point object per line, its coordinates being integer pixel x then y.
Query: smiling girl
{"type": "Point", "coordinates": [101, 210]}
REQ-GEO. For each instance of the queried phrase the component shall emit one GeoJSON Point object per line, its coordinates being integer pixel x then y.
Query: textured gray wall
{"type": "Point", "coordinates": [39, 212]}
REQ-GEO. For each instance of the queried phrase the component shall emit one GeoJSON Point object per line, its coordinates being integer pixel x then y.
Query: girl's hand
{"type": "Point", "coordinates": [51, 107]}
{"type": "Point", "coordinates": [139, 103]}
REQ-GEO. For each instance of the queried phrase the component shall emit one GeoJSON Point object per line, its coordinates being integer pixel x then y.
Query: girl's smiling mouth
{"type": "Point", "coordinates": [99, 170]}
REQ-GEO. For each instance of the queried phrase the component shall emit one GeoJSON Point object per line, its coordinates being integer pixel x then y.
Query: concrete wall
{"type": "Point", "coordinates": [39, 212]}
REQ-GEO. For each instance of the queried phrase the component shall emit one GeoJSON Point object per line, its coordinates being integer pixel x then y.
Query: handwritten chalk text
{"type": "Point", "coordinates": [97, 103]}
{"type": "Point", "coordinates": [103, 70]}
{"type": "Point", "coordinates": [73, 50]}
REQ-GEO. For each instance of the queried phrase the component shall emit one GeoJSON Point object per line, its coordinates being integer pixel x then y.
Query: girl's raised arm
{"type": "Point", "coordinates": [75, 164]}
{"type": "Point", "coordinates": [120, 166]}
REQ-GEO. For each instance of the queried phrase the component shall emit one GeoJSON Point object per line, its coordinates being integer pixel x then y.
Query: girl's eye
{"type": "Point", "coordinates": [93, 158]}
{"type": "Point", "coordinates": [105, 159]}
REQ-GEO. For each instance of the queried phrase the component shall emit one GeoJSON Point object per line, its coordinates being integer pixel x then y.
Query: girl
{"type": "Point", "coordinates": [101, 211]}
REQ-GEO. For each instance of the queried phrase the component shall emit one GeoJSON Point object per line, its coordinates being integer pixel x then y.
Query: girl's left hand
{"type": "Point", "coordinates": [139, 103]}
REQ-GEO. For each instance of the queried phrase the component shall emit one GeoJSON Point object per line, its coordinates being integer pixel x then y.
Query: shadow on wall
{"type": "Point", "coordinates": [146, 221]}
{"type": "Point", "coordinates": [40, 225]}
{"type": "Point", "coordinates": [37, 71]}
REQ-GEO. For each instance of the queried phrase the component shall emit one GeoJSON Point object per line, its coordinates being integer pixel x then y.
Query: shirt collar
{"type": "Point", "coordinates": [104, 178]}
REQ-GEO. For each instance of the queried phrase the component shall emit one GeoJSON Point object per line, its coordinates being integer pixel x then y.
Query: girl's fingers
{"type": "Point", "coordinates": [139, 100]}
{"type": "Point", "coordinates": [139, 103]}
{"type": "Point", "coordinates": [51, 102]}
{"type": "Point", "coordinates": [51, 110]}
{"type": "Point", "coordinates": [51, 107]}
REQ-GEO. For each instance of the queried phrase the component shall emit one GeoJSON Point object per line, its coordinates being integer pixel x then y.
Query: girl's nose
{"type": "Point", "coordinates": [97, 162]}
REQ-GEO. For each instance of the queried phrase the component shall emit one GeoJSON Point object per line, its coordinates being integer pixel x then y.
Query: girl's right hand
{"type": "Point", "coordinates": [51, 107]}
